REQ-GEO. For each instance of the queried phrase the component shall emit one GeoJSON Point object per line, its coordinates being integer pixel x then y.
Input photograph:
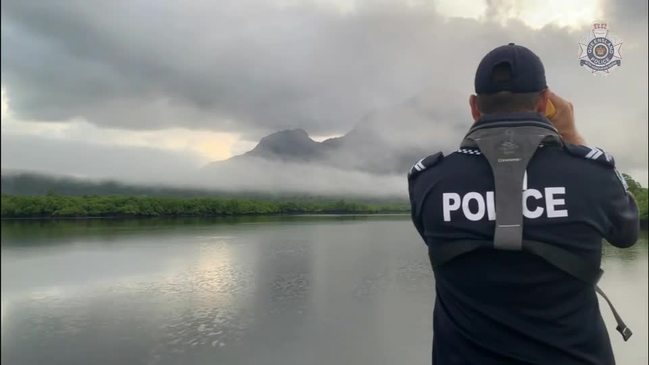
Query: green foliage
{"type": "Point", "coordinates": [640, 195]}
{"type": "Point", "coordinates": [49, 204]}
{"type": "Point", "coordinates": [46, 206]}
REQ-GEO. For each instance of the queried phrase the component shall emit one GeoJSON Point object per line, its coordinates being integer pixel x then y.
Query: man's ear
{"type": "Point", "coordinates": [475, 112]}
{"type": "Point", "coordinates": [542, 104]}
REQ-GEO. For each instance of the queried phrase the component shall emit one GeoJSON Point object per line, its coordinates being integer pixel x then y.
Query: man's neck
{"type": "Point", "coordinates": [512, 117]}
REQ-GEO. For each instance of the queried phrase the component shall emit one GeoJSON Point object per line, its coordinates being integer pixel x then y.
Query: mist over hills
{"type": "Point", "coordinates": [353, 151]}
{"type": "Point", "coordinates": [371, 160]}
{"type": "Point", "coordinates": [21, 183]}
{"type": "Point", "coordinates": [385, 142]}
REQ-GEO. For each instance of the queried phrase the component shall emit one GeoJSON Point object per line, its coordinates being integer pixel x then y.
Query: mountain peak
{"type": "Point", "coordinates": [286, 144]}
{"type": "Point", "coordinates": [283, 135]}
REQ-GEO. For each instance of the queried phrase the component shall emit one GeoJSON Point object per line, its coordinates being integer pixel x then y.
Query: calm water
{"type": "Point", "coordinates": [300, 290]}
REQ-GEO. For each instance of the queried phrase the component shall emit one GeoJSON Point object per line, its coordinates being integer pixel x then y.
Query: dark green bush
{"type": "Point", "coordinates": [128, 206]}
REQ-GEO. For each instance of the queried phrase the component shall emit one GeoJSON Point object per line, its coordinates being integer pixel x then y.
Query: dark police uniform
{"type": "Point", "coordinates": [513, 307]}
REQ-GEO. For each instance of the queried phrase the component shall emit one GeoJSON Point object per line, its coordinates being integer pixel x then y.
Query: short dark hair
{"type": "Point", "coordinates": [506, 101]}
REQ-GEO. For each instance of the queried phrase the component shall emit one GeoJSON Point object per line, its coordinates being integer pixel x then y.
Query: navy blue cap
{"type": "Point", "coordinates": [527, 72]}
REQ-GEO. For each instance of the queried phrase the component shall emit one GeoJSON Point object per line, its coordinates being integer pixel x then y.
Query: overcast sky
{"type": "Point", "coordinates": [148, 88]}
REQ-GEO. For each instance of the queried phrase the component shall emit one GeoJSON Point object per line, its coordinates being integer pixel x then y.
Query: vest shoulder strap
{"type": "Point", "coordinates": [566, 261]}
{"type": "Point", "coordinates": [556, 256]}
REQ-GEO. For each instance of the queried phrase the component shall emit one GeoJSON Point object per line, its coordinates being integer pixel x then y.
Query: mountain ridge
{"type": "Point", "coordinates": [358, 149]}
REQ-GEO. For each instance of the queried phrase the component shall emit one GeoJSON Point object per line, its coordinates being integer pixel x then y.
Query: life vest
{"type": "Point", "coordinates": [508, 147]}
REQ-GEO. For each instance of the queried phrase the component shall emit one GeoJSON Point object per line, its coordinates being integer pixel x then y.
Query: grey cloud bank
{"type": "Point", "coordinates": [254, 67]}
{"type": "Point", "coordinates": [151, 167]}
{"type": "Point", "coordinates": [133, 164]}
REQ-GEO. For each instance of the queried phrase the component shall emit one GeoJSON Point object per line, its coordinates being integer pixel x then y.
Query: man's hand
{"type": "Point", "coordinates": [564, 119]}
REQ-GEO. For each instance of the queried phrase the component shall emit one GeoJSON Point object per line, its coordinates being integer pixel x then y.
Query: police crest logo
{"type": "Point", "coordinates": [508, 146]}
{"type": "Point", "coordinates": [599, 51]}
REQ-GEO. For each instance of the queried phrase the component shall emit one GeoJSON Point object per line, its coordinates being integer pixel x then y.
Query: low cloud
{"type": "Point", "coordinates": [80, 159]}
{"type": "Point", "coordinates": [154, 167]}
{"type": "Point", "coordinates": [254, 67]}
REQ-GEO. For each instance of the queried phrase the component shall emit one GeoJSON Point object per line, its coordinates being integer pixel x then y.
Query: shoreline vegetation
{"type": "Point", "coordinates": [55, 206]}
{"type": "Point", "coordinates": [100, 204]}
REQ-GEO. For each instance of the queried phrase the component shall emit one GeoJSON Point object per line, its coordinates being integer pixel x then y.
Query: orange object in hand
{"type": "Point", "coordinates": [550, 110]}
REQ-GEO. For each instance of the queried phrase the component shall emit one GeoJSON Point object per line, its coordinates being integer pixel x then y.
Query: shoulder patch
{"type": "Point", "coordinates": [425, 163]}
{"type": "Point", "coordinates": [591, 153]}
{"type": "Point", "coordinates": [469, 151]}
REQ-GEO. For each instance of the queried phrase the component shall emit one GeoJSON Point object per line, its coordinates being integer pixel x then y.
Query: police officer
{"type": "Point", "coordinates": [514, 221]}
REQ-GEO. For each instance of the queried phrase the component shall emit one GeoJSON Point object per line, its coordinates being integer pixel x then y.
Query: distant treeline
{"type": "Point", "coordinates": [34, 184]}
{"type": "Point", "coordinates": [31, 196]}
{"type": "Point", "coordinates": [51, 206]}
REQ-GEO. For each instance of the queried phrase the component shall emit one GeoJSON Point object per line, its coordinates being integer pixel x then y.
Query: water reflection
{"type": "Point", "coordinates": [296, 290]}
